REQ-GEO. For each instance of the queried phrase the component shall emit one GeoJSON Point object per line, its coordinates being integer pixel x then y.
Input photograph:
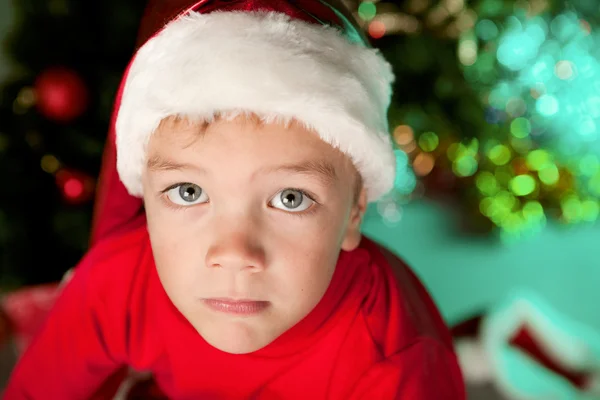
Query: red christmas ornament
{"type": "Point", "coordinates": [61, 94]}
{"type": "Point", "coordinates": [76, 187]}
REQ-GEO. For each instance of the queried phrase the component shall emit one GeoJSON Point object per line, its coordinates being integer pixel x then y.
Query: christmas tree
{"type": "Point", "coordinates": [67, 58]}
{"type": "Point", "coordinates": [495, 109]}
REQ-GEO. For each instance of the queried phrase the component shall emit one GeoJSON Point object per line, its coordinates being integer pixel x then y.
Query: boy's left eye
{"type": "Point", "coordinates": [292, 200]}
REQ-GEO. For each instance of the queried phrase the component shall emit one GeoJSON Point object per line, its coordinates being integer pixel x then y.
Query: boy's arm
{"type": "Point", "coordinates": [79, 346]}
{"type": "Point", "coordinates": [426, 370]}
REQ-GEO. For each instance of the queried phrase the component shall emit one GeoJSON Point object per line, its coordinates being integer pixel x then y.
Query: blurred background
{"type": "Point", "coordinates": [496, 124]}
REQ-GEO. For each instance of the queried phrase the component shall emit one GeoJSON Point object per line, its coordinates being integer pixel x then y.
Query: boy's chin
{"type": "Point", "coordinates": [236, 348]}
{"type": "Point", "coordinates": [236, 340]}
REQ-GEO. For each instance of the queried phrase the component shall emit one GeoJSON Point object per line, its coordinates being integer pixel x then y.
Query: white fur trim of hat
{"type": "Point", "coordinates": [265, 63]}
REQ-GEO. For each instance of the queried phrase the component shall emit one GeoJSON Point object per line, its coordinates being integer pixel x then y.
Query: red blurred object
{"type": "Point", "coordinates": [22, 314]}
{"type": "Point", "coordinates": [145, 389]}
{"type": "Point", "coordinates": [440, 183]}
{"type": "Point", "coordinates": [61, 94]}
{"type": "Point", "coordinates": [25, 311]}
{"type": "Point", "coordinates": [467, 328]}
{"type": "Point", "coordinates": [76, 187]}
{"type": "Point", "coordinates": [159, 12]}
{"type": "Point", "coordinates": [526, 342]}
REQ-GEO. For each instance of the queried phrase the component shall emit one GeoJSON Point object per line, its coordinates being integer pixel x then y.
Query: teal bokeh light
{"type": "Point", "coordinates": [542, 93]}
{"type": "Point", "coordinates": [406, 180]}
{"type": "Point", "coordinates": [550, 67]}
{"type": "Point", "coordinates": [486, 29]}
{"type": "Point", "coordinates": [516, 50]}
{"type": "Point", "coordinates": [547, 105]}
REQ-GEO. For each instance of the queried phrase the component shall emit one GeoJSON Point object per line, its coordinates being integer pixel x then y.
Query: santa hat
{"type": "Point", "coordinates": [297, 59]}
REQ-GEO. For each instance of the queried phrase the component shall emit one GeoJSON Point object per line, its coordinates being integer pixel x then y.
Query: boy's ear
{"type": "Point", "coordinates": [352, 235]}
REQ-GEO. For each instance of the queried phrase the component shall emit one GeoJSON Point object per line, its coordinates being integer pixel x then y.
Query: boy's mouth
{"type": "Point", "coordinates": [236, 306]}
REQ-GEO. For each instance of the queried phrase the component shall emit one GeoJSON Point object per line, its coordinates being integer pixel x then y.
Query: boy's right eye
{"type": "Point", "coordinates": [186, 194]}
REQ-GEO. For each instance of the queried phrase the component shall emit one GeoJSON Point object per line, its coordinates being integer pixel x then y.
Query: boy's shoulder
{"type": "Point", "coordinates": [400, 304]}
{"type": "Point", "coordinates": [116, 260]}
{"type": "Point", "coordinates": [119, 246]}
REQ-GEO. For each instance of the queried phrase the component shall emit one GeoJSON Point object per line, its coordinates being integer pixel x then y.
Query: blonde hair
{"type": "Point", "coordinates": [198, 127]}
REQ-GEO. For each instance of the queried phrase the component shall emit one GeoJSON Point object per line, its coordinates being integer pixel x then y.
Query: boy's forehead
{"type": "Point", "coordinates": [177, 136]}
{"type": "Point", "coordinates": [321, 168]}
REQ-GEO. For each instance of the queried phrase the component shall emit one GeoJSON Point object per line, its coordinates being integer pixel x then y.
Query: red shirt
{"type": "Point", "coordinates": [376, 334]}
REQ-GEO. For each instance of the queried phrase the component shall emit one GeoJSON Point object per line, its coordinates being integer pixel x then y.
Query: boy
{"type": "Point", "coordinates": [255, 136]}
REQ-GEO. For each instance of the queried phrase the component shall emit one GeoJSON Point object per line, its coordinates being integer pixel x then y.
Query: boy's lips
{"type": "Point", "coordinates": [236, 306]}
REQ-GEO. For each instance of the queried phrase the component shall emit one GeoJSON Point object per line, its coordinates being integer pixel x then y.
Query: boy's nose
{"type": "Point", "coordinates": [237, 250]}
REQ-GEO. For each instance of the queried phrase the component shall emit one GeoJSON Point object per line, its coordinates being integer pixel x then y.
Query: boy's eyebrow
{"type": "Point", "coordinates": [324, 170]}
{"type": "Point", "coordinates": [157, 163]}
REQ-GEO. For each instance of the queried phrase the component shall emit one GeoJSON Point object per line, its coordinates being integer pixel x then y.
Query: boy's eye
{"type": "Point", "coordinates": [292, 200]}
{"type": "Point", "coordinates": [187, 194]}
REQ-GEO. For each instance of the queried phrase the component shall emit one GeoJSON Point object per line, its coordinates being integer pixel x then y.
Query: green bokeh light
{"type": "Point", "coordinates": [499, 154]}
{"type": "Point", "coordinates": [486, 30]}
{"type": "Point", "coordinates": [540, 76]}
{"type": "Point", "coordinates": [571, 208]}
{"type": "Point", "coordinates": [520, 127]}
{"type": "Point", "coordinates": [549, 175]}
{"type": "Point", "coordinates": [486, 183]}
{"type": "Point", "coordinates": [538, 159]}
{"type": "Point", "coordinates": [465, 166]}
{"type": "Point", "coordinates": [594, 184]}
{"type": "Point", "coordinates": [503, 175]}
{"type": "Point", "coordinates": [590, 210]}
{"type": "Point", "coordinates": [428, 141]}
{"type": "Point", "coordinates": [485, 206]}
{"type": "Point", "coordinates": [522, 146]}
{"type": "Point", "coordinates": [491, 7]}
{"type": "Point", "coordinates": [522, 185]}
{"type": "Point", "coordinates": [533, 210]}
{"type": "Point", "coordinates": [589, 165]}
{"type": "Point", "coordinates": [367, 10]}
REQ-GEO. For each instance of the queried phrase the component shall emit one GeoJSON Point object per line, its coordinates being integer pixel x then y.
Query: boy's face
{"type": "Point", "coordinates": [246, 222]}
